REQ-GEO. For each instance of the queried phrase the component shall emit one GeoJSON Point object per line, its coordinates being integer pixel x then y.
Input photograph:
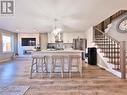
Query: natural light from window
{"type": "Point", "coordinates": [6, 43]}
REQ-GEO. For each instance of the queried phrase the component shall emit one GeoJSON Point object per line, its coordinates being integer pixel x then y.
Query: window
{"type": "Point", "coordinates": [6, 43]}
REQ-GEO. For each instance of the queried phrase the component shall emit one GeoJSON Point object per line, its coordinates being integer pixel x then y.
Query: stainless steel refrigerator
{"type": "Point", "coordinates": [80, 44]}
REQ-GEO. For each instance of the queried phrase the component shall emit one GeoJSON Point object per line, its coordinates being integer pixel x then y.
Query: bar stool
{"type": "Point", "coordinates": [38, 61]}
{"type": "Point", "coordinates": [57, 61]}
{"type": "Point", "coordinates": [75, 61]}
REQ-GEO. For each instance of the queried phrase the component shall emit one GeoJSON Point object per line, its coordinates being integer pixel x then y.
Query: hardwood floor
{"type": "Point", "coordinates": [95, 81]}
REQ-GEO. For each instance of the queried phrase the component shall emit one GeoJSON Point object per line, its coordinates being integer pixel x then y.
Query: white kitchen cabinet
{"type": "Point", "coordinates": [68, 37]}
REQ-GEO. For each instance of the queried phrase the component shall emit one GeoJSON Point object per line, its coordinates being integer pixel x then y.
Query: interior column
{"type": "Point", "coordinates": [1, 49]}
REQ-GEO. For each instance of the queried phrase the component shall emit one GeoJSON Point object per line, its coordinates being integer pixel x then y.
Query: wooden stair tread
{"type": "Point", "coordinates": [107, 44]}
{"type": "Point", "coordinates": [102, 46]}
{"type": "Point", "coordinates": [110, 56]}
{"type": "Point", "coordinates": [110, 48]}
{"type": "Point", "coordinates": [110, 52]}
{"type": "Point", "coordinates": [116, 63]}
{"type": "Point", "coordinates": [102, 41]}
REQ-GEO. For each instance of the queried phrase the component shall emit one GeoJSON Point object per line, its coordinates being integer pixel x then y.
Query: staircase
{"type": "Point", "coordinates": [107, 22]}
{"type": "Point", "coordinates": [112, 50]}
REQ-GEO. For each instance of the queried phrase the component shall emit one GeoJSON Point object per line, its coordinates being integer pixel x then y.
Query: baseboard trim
{"type": "Point", "coordinates": [8, 59]}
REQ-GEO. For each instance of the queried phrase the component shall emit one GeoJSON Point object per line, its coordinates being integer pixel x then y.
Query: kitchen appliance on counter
{"type": "Point", "coordinates": [58, 45]}
{"type": "Point", "coordinates": [51, 46]}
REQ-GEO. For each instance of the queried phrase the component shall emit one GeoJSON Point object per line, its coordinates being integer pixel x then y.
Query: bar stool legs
{"type": "Point", "coordinates": [39, 62]}
{"type": "Point", "coordinates": [62, 67]}
{"type": "Point", "coordinates": [80, 69]}
{"type": "Point", "coordinates": [77, 64]}
{"type": "Point", "coordinates": [69, 68]}
{"type": "Point", "coordinates": [34, 62]}
{"type": "Point", "coordinates": [55, 60]}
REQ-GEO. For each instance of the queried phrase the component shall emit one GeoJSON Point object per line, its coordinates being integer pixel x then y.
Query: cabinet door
{"type": "Point", "coordinates": [44, 40]}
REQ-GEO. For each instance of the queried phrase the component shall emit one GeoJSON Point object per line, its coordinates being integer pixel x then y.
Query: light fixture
{"type": "Point", "coordinates": [17, 30]}
{"type": "Point", "coordinates": [34, 29]}
{"type": "Point", "coordinates": [57, 27]}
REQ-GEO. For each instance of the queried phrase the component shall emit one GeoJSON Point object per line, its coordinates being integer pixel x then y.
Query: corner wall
{"type": "Point", "coordinates": [1, 42]}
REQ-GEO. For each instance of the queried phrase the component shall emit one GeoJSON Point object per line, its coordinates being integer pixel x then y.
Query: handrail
{"type": "Point", "coordinates": [110, 19]}
{"type": "Point", "coordinates": [107, 35]}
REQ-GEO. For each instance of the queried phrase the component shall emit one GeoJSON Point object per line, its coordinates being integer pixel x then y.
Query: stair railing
{"type": "Point", "coordinates": [112, 49]}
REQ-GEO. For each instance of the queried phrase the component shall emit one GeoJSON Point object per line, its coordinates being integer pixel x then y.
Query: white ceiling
{"type": "Point", "coordinates": [73, 15]}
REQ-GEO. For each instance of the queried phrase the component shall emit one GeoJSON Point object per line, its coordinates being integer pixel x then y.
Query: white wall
{"type": "Point", "coordinates": [21, 48]}
{"type": "Point", "coordinates": [89, 37]}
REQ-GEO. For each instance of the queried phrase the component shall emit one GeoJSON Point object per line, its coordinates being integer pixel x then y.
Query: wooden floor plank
{"type": "Point", "coordinates": [95, 81]}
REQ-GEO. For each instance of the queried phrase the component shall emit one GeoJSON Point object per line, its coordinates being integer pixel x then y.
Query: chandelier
{"type": "Point", "coordinates": [57, 27]}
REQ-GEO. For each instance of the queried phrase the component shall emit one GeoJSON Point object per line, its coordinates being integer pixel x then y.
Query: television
{"type": "Point", "coordinates": [28, 41]}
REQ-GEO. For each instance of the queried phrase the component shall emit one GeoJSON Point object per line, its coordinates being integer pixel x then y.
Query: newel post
{"type": "Point", "coordinates": [123, 59]}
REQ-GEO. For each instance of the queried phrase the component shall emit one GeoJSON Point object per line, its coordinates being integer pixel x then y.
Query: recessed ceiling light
{"type": "Point", "coordinates": [17, 30]}
{"type": "Point", "coordinates": [34, 29]}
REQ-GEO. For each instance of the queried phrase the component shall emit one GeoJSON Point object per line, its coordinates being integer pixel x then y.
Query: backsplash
{"type": "Point", "coordinates": [66, 45]}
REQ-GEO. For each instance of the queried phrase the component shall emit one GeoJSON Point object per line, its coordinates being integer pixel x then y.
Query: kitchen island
{"type": "Point", "coordinates": [66, 53]}
{"type": "Point", "coordinates": [59, 52]}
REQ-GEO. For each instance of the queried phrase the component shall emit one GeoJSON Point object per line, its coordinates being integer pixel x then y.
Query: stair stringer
{"type": "Point", "coordinates": [103, 63]}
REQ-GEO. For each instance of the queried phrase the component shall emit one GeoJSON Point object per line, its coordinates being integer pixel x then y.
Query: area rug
{"type": "Point", "coordinates": [14, 90]}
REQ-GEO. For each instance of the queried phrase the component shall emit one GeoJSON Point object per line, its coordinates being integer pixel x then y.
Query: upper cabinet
{"type": "Point", "coordinates": [68, 37]}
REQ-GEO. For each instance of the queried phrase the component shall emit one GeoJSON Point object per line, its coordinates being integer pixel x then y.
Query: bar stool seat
{"type": "Point", "coordinates": [75, 61]}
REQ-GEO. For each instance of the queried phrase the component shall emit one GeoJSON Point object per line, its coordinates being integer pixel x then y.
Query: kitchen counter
{"type": "Point", "coordinates": [59, 52]}
{"type": "Point", "coordinates": [66, 50]}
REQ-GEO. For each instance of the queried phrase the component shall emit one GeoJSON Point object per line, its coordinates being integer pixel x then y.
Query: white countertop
{"type": "Point", "coordinates": [62, 51]}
